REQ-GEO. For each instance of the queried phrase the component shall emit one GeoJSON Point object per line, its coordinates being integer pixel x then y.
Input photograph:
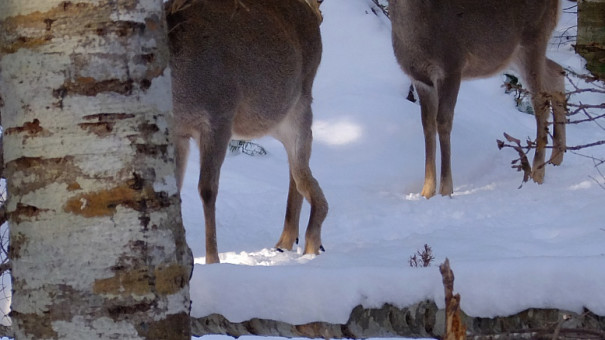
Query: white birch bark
{"type": "Point", "coordinates": [97, 244]}
{"type": "Point", "coordinates": [591, 35]}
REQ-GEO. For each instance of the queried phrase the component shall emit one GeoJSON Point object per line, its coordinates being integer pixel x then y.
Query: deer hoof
{"type": "Point", "coordinates": [309, 249]}
{"type": "Point", "coordinates": [538, 176]}
{"type": "Point", "coordinates": [279, 250]}
{"type": "Point", "coordinates": [284, 245]}
{"type": "Point", "coordinates": [428, 192]}
{"type": "Point", "coordinates": [322, 249]}
{"type": "Point", "coordinates": [556, 158]}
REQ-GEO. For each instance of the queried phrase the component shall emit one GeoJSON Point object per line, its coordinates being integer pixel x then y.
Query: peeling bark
{"type": "Point", "coordinates": [98, 248]}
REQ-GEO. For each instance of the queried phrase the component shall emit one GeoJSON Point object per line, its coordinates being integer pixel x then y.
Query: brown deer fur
{"type": "Point", "coordinates": [438, 43]}
{"type": "Point", "coordinates": [245, 68]}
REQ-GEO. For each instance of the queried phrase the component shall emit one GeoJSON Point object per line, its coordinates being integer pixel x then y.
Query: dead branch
{"type": "Point", "coordinates": [6, 266]}
{"type": "Point", "coordinates": [422, 258]}
{"type": "Point", "coordinates": [601, 183]}
{"type": "Point", "coordinates": [382, 6]}
{"type": "Point", "coordinates": [519, 148]}
{"type": "Point", "coordinates": [522, 160]}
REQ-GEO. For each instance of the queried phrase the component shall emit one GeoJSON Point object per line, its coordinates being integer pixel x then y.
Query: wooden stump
{"type": "Point", "coordinates": [454, 327]}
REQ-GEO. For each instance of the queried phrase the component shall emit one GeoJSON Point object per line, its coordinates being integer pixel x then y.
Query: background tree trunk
{"type": "Point", "coordinates": [98, 248]}
{"type": "Point", "coordinates": [591, 35]}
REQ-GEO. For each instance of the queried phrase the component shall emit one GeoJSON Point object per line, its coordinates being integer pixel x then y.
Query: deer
{"type": "Point", "coordinates": [245, 69]}
{"type": "Point", "coordinates": [440, 43]}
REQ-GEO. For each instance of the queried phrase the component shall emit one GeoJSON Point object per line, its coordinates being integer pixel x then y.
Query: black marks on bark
{"type": "Point", "coordinates": [49, 23]}
{"type": "Point", "coordinates": [89, 86]}
{"type": "Point", "coordinates": [118, 312]}
{"type": "Point", "coordinates": [28, 129]}
{"type": "Point", "coordinates": [122, 29]}
{"type": "Point", "coordinates": [102, 124]}
{"type": "Point", "coordinates": [25, 212]}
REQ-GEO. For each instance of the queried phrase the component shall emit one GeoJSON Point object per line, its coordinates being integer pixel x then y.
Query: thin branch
{"type": "Point", "coordinates": [586, 77]}
{"type": "Point", "coordinates": [565, 37]}
{"type": "Point", "coordinates": [589, 90]}
{"type": "Point", "coordinates": [519, 149]}
{"type": "Point", "coordinates": [583, 108]}
{"type": "Point", "coordinates": [383, 8]}
{"type": "Point", "coordinates": [599, 183]}
{"type": "Point", "coordinates": [584, 146]}
{"type": "Point", "coordinates": [567, 9]}
{"type": "Point", "coordinates": [597, 161]}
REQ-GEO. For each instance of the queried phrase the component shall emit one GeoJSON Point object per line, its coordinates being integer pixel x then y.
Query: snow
{"type": "Point", "coordinates": [510, 248]}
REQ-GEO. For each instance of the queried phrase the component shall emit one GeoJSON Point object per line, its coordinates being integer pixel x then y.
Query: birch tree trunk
{"type": "Point", "coordinates": [591, 35]}
{"type": "Point", "coordinates": [98, 248]}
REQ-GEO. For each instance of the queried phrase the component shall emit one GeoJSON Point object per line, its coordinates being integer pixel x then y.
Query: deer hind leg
{"type": "Point", "coordinates": [295, 134]}
{"type": "Point", "coordinates": [212, 154]}
{"type": "Point", "coordinates": [292, 220]}
{"type": "Point", "coordinates": [555, 86]}
{"type": "Point", "coordinates": [448, 94]}
{"type": "Point", "coordinates": [427, 95]}
{"type": "Point", "coordinates": [540, 104]}
{"type": "Point", "coordinates": [181, 154]}
{"type": "Point", "coordinates": [533, 67]}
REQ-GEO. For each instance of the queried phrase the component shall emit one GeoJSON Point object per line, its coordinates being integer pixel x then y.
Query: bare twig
{"type": "Point", "coordinates": [602, 182]}
{"type": "Point", "coordinates": [422, 258]}
{"type": "Point", "coordinates": [383, 7]}
{"type": "Point", "coordinates": [565, 36]}
{"type": "Point", "coordinates": [584, 146]}
{"type": "Point", "coordinates": [5, 267]}
{"type": "Point", "coordinates": [531, 145]}
{"type": "Point", "coordinates": [569, 9]}
{"type": "Point", "coordinates": [522, 160]}
{"type": "Point", "coordinates": [589, 78]}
